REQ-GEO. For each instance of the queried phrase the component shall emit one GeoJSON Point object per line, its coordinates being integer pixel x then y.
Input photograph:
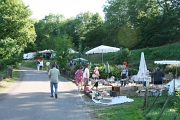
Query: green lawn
{"type": "Point", "coordinates": [134, 111]}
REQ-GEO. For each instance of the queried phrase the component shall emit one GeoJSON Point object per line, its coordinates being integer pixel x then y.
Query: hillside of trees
{"type": "Point", "coordinates": [131, 24]}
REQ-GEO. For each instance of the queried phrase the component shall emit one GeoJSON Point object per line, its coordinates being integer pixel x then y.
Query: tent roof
{"type": "Point", "coordinates": [81, 59]}
{"type": "Point", "coordinates": [167, 62]}
{"type": "Point", "coordinates": [72, 51]}
{"type": "Point", "coordinates": [102, 49]}
{"type": "Point", "coordinates": [47, 51]}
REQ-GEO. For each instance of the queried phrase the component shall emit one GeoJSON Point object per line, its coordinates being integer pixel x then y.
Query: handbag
{"type": "Point", "coordinates": [94, 76]}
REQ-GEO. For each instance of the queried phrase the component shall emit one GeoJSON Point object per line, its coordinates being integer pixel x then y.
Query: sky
{"type": "Point", "coordinates": [69, 8]}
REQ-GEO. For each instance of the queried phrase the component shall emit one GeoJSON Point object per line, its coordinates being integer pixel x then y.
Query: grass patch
{"type": "Point", "coordinates": [8, 81]}
{"type": "Point", "coordinates": [32, 63]}
{"type": "Point", "coordinates": [29, 63]}
{"type": "Point", "coordinates": [133, 110]}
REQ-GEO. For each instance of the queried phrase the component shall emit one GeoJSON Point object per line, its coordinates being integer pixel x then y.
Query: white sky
{"type": "Point", "coordinates": [69, 8]}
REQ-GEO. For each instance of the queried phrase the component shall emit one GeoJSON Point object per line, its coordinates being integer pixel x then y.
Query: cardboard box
{"type": "Point", "coordinates": [140, 87]}
{"type": "Point", "coordinates": [134, 88]}
{"type": "Point", "coordinates": [142, 93]}
{"type": "Point", "coordinates": [124, 88]}
{"type": "Point", "coordinates": [106, 99]}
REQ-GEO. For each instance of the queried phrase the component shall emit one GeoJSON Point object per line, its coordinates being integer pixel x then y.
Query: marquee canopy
{"type": "Point", "coordinates": [175, 62]}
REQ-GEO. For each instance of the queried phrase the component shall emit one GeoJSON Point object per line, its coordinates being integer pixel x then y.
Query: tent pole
{"type": "Point", "coordinates": [102, 56]}
{"type": "Point", "coordinates": [175, 78]}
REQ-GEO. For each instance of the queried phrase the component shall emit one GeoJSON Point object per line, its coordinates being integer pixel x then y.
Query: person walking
{"type": "Point", "coordinates": [47, 66]}
{"type": "Point", "coordinates": [86, 76]}
{"type": "Point", "coordinates": [54, 79]}
{"type": "Point", "coordinates": [95, 76]}
{"type": "Point", "coordinates": [41, 65]}
{"type": "Point", "coordinates": [57, 66]}
{"type": "Point", "coordinates": [38, 64]}
{"type": "Point", "coordinates": [79, 77]}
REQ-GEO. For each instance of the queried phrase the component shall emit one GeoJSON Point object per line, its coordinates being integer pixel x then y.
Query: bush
{"type": "Point", "coordinates": [172, 68]}
{"type": "Point", "coordinates": [132, 71]}
{"type": "Point", "coordinates": [122, 56]}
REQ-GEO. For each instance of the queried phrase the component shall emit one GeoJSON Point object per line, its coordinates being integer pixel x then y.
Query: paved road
{"type": "Point", "coordinates": [29, 99]}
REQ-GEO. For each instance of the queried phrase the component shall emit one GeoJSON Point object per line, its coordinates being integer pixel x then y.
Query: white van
{"type": "Point", "coordinates": [25, 56]}
{"type": "Point", "coordinates": [29, 56]}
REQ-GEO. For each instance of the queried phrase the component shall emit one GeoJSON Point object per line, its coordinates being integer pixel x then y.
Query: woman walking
{"type": "Point", "coordinates": [79, 77]}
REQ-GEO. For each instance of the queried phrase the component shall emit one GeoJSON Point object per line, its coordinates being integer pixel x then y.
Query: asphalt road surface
{"type": "Point", "coordinates": [29, 99]}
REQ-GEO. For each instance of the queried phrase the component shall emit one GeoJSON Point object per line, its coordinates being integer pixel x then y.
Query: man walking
{"type": "Point", "coordinates": [54, 79]}
{"type": "Point", "coordinates": [38, 64]}
{"type": "Point", "coordinates": [86, 76]}
{"type": "Point", "coordinates": [47, 66]}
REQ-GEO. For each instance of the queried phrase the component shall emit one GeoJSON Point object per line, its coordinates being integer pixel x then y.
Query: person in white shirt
{"type": "Point", "coordinates": [86, 75]}
{"type": "Point", "coordinates": [47, 66]}
{"type": "Point", "coordinates": [124, 75]}
{"type": "Point", "coordinates": [41, 65]}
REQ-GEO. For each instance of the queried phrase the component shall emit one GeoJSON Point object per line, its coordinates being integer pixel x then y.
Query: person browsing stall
{"type": "Point", "coordinates": [124, 75]}
{"type": "Point", "coordinates": [158, 76]}
{"type": "Point", "coordinates": [86, 75]}
{"type": "Point", "coordinates": [96, 77]}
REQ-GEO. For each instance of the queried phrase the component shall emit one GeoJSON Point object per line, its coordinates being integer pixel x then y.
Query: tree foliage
{"type": "Point", "coordinates": [16, 29]}
{"type": "Point", "coordinates": [62, 45]}
{"type": "Point", "coordinates": [145, 23]}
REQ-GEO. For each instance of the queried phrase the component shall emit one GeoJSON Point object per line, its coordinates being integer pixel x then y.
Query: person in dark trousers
{"type": "Point", "coordinates": [95, 76]}
{"type": "Point", "coordinates": [158, 76]}
{"type": "Point", "coordinates": [124, 75]}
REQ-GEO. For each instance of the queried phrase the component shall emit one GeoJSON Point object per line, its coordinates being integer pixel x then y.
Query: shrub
{"type": "Point", "coordinates": [172, 68]}
{"type": "Point", "coordinates": [132, 71]}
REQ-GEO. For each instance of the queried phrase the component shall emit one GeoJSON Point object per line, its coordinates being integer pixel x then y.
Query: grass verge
{"type": "Point", "coordinates": [133, 110]}
{"type": "Point", "coordinates": [8, 81]}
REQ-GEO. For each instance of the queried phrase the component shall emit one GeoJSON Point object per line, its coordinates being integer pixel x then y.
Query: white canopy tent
{"type": "Point", "coordinates": [47, 51]}
{"type": "Point", "coordinates": [143, 72]}
{"type": "Point", "coordinates": [51, 52]}
{"type": "Point", "coordinates": [175, 62]}
{"type": "Point", "coordinates": [80, 59]}
{"type": "Point", "coordinates": [72, 51]}
{"type": "Point", "coordinates": [102, 49]}
{"type": "Point", "coordinates": [142, 67]}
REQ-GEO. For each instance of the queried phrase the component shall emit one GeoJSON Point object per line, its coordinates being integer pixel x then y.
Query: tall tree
{"type": "Point", "coordinates": [137, 23]}
{"type": "Point", "coordinates": [16, 28]}
{"type": "Point", "coordinates": [86, 23]}
{"type": "Point", "coordinates": [62, 45]}
{"type": "Point", "coordinates": [47, 29]}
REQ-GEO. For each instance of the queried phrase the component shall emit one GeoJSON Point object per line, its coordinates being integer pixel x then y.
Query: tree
{"type": "Point", "coordinates": [17, 29]}
{"type": "Point", "coordinates": [138, 24]}
{"type": "Point", "coordinates": [95, 32]}
{"type": "Point", "coordinates": [47, 29]}
{"type": "Point", "coordinates": [62, 45]}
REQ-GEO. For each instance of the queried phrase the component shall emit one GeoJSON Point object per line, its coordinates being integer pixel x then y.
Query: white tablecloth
{"type": "Point", "coordinates": [136, 79]}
